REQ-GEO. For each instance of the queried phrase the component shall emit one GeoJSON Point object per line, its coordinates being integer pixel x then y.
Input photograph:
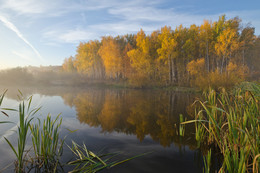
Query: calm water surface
{"type": "Point", "coordinates": [116, 120]}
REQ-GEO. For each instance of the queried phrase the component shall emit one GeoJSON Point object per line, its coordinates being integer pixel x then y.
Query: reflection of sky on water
{"type": "Point", "coordinates": [162, 159]}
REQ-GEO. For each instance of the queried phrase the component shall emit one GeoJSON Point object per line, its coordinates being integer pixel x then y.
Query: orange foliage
{"type": "Point", "coordinates": [215, 79]}
{"type": "Point", "coordinates": [110, 54]}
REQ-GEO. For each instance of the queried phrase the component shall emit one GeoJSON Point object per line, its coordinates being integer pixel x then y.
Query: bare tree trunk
{"type": "Point", "coordinates": [93, 73]}
{"type": "Point", "coordinates": [207, 55]}
{"type": "Point", "coordinates": [175, 71]}
{"type": "Point", "coordinates": [170, 70]}
{"type": "Point", "coordinates": [244, 55]}
{"type": "Point", "coordinates": [222, 64]}
{"type": "Point", "coordinates": [170, 104]}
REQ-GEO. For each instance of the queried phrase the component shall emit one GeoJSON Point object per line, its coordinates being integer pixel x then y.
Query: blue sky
{"type": "Point", "coordinates": [44, 32]}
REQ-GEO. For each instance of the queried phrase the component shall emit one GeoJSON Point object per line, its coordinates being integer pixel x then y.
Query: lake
{"type": "Point", "coordinates": [128, 121]}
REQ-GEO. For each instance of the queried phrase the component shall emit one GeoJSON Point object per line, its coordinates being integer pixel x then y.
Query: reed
{"type": "Point", "coordinates": [232, 123]}
{"type": "Point", "coordinates": [182, 126]}
{"type": "Point", "coordinates": [89, 162]}
{"type": "Point", "coordinates": [47, 144]}
{"type": "Point", "coordinates": [207, 162]}
{"type": "Point", "coordinates": [25, 118]}
{"type": "Point", "coordinates": [3, 112]}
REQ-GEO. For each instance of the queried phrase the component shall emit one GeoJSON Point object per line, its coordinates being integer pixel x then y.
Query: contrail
{"type": "Point", "coordinates": [12, 27]}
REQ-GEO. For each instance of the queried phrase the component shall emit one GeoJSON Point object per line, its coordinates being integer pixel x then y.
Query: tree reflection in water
{"type": "Point", "coordinates": [136, 112]}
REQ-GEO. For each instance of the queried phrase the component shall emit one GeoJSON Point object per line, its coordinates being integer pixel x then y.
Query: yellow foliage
{"type": "Point", "coordinates": [170, 57]}
{"type": "Point", "coordinates": [87, 59]}
{"type": "Point", "coordinates": [236, 73]}
{"type": "Point", "coordinates": [215, 79]}
{"type": "Point", "coordinates": [110, 54]}
{"type": "Point", "coordinates": [168, 45]}
{"type": "Point", "coordinates": [196, 67]}
{"type": "Point", "coordinates": [140, 60]}
{"type": "Point", "coordinates": [68, 65]}
{"type": "Point", "coordinates": [227, 43]}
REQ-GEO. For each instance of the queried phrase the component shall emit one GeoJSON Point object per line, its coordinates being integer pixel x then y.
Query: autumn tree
{"type": "Point", "coordinates": [197, 70]}
{"type": "Point", "coordinates": [190, 51]}
{"type": "Point", "coordinates": [154, 46]}
{"type": "Point", "coordinates": [167, 52]}
{"type": "Point", "coordinates": [166, 57]}
{"type": "Point", "coordinates": [227, 41]}
{"type": "Point", "coordinates": [110, 54]}
{"type": "Point", "coordinates": [88, 61]}
{"type": "Point", "coordinates": [140, 59]}
{"type": "Point", "coordinates": [252, 59]}
{"type": "Point", "coordinates": [206, 46]}
{"type": "Point", "coordinates": [126, 65]}
{"type": "Point", "coordinates": [68, 64]}
{"type": "Point", "coordinates": [181, 36]}
{"type": "Point", "coordinates": [247, 39]}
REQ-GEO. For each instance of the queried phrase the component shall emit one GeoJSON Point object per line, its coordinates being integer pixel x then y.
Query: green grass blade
{"type": "Point", "coordinates": [9, 143]}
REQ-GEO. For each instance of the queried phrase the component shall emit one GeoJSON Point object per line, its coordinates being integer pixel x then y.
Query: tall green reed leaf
{"type": "Point", "coordinates": [25, 118]}
{"type": "Point", "coordinates": [47, 144]}
{"type": "Point", "coordinates": [231, 120]}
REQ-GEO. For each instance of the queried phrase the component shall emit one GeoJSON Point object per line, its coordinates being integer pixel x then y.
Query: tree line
{"type": "Point", "coordinates": [220, 53]}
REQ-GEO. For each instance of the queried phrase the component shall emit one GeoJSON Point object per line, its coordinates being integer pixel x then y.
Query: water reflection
{"type": "Point", "coordinates": [153, 113]}
{"type": "Point", "coordinates": [135, 112]}
{"type": "Point", "coordinates": [114, 119]}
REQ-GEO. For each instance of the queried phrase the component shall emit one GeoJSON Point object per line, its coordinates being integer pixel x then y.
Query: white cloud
{"type": "Point", "coordinates": [121, 28]}
{"type": "Point", "coordinates": [151, 15]}
{"type": "Point", "coordinates": [26, 6]}
{"type": "Point", "coordinates": [12, 27]}
{"type": "Point", "coordinates": [57, 7]}
{"type": "Point", "coordinates": [52, 23]}
{"type": "Point", "coordinates": [73, 36]}
{"type": "Point", "coordinates": [141, 13]}
{"type": "Point", "coordinates": [70, 36]}
{"type": "Point", "coordinates": [122, 17]}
